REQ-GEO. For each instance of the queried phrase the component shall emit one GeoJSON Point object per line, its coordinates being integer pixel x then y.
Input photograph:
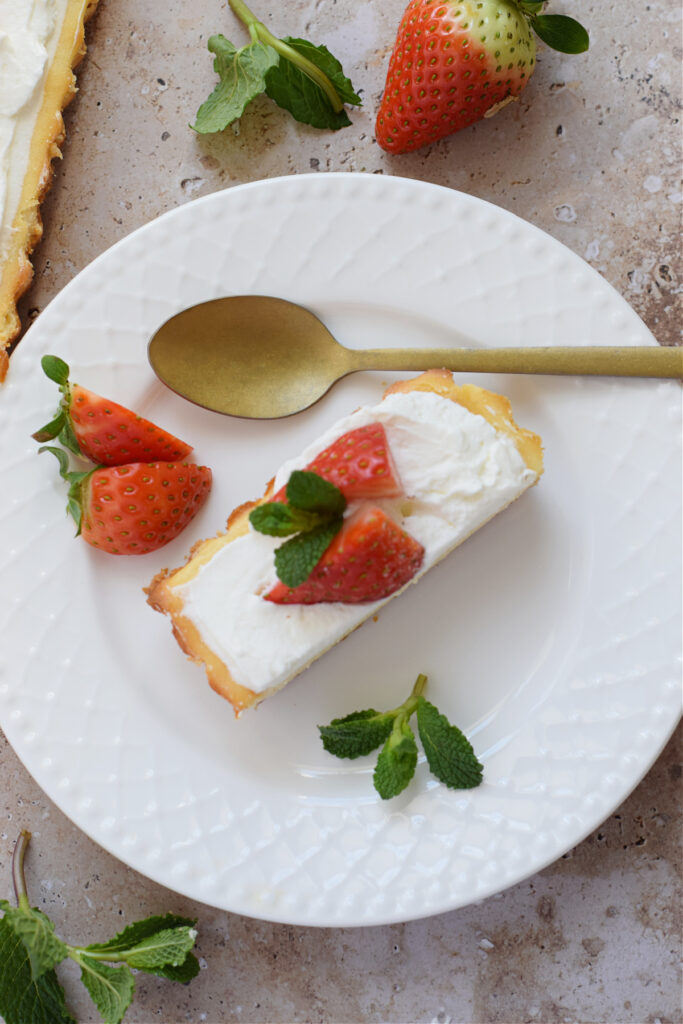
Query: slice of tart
{"type": "Point", "coordinates": [456, 458]}
{"type": "Point", "coordinates": [41, 41]}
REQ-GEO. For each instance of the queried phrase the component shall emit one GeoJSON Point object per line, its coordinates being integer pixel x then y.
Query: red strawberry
{"type": "Point", "coordinates": [136, 508]}
{"type": "Point", "coordinates": [359, 463]}
{"type": "Point", "coordinates": [454, 61]}
{"type": "Point", "coordinates": [370, 558]}
{"type": "Point", "coordinates": [104, 431]}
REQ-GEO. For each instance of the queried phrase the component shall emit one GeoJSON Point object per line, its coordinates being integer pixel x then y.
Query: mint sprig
{"type": "Point", "coordinates": [305, 79]}
{"type": "Point", "coordinates": [449, 753]}
{"type": "Point", "coordinates": [312, 513]}
{"type": "Point", "coordinates": [30, 950]}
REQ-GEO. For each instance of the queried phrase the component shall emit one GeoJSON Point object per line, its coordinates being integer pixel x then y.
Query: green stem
{"type": "Point", "coordinates": [18, 877]}
{"type": "Point", "coordinates": [112, 957]}
{"type": "Point", "coordinates": [410, 705]}
{"type": "Point", "coordinates": [258, 29]}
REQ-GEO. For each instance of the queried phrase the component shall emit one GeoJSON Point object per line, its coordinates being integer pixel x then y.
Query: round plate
{"type": "Point", "coordinates": [551, 637]}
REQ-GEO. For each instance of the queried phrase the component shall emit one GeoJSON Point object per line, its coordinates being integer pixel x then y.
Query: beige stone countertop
{"type": "Point", "coordinates": [591, 154]}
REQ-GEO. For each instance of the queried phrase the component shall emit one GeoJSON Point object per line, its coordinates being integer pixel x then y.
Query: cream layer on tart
{"type": "Point", "coordinates": [457, 467]}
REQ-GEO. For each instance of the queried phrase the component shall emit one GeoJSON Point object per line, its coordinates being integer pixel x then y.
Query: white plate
{"type": "Point", "coordinates": [551, 636]}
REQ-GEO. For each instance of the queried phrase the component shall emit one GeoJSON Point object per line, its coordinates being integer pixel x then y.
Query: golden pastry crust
{"type": "Point", "coordinates": [162, 593]}
{"type": "Point", "coordinates": [48, 135]}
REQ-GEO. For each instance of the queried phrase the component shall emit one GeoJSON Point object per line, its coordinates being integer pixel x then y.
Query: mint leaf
{"type": "Point", "coordinates": [23, 998]}
{"type": "Point", "coordinates": [44, 949]}
{"type": "Point", "coordinates": [293, 90]}
{"type": "Point", "coordinates": [242, 79]}
{"type": "Point", "coordinates": [357, 734]}
{"type": "Point", "coordinates": [169, 946]}
{"type": "Point", "coordinates": [182, 973]}
{"type": "Point", "coordinates": [276, 519]}
{"type": "Point", "coordinates": [296, 559]}
{"type": "Point", "coordinates": [135, 933]}
{"type": "Point", "coordinates": [449, 753]}
{"type": "Point", "coordinates": [330, 66]}
{"type": "Point", "coordinates": [110, 988]}
{"type": "Point", "coordinates": [397, 760]}
{"type": "Point", "coordinates": [561, 33]}
{"type": "Point", "coordinates": [308, 490]}
{"type": "Point", "coordinates": [56, 369]}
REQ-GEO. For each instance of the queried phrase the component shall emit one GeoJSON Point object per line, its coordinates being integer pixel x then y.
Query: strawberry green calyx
{"type": "Point", "coordinates": [60, 426]}
{"type": "Point", "coordinates": [558, 31]}
{"type": "Point", "coordinates": [77, 482]}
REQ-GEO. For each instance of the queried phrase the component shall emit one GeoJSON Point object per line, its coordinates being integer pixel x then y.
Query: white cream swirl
{"type": "Point", "coordinates": [28, 39]}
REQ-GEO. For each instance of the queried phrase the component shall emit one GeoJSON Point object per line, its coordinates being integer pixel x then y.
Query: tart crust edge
{"type": "Point", "coordinates": [48, 135]}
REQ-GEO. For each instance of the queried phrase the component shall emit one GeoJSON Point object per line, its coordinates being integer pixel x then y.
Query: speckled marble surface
{"type": "Point", "coordinates": [590, 154]}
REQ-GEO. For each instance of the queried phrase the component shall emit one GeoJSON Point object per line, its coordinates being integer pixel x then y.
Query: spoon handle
{"type": "Point", "coordinates": [637, 361]}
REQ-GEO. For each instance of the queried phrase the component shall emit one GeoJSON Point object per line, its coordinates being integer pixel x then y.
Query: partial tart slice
{"type": "Point", "coordinates": [460, 459]}
{"type": "Point", "coordinates": [40, 43]}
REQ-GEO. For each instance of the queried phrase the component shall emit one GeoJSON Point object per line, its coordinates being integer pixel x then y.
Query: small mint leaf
{"type": "Point", "coordinates": [293, 90]}
{"type": "Point", "coordinates": [24, 999]}
{"type": "Point", "coordinates": [110, 988]}
{"type": "Point", "coordinates": [277, 519]}
{"type": "Point", "coordinates": [449, 753]}
{"type": "Point", "coordinates": [242, 79]}
{"type": "Point", "coordinates": [138, 931]}
{"type": "Point", "coordinates": [56, 369]}
{"type": "Point", "coordinates": [308, 490]}
{"type": "Point", "coordinates": [329, 65]}
{"type": "Point", "coordinates": [169, 946]}
{"type": "Point", "coordinates": [561, 33]}
{"type": "Point", "coordinates": [397, 760]}
{"type": "Point", "coordinates": [44, 949]}
{"type": "Point", "coordinates": [183, 973]}
{"type": "Point", "coordinates": [356, 734]}
{"type": "Point", "coordinates": [296, 559]}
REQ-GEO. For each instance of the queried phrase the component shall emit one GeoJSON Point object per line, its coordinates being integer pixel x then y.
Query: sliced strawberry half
{"type": "Point", "coordinates": [369, 559]}
{"type": "Point", "coordinates": [135, 508]}
{"type": "Point", "coordinates": [139, 507]}
{"type": "Point", "coordinates": [104, 431]}
{"type": "Point", "coordinates": [359, 463]}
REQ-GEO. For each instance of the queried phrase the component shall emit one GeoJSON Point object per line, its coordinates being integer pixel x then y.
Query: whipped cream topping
{"type": "Point", "coordinates": [457, 472]}
{"type": "Point", "coordinates": [29, 31]}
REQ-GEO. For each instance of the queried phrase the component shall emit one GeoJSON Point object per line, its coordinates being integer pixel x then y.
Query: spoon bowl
{"type": "Point", "coordinates": [261, 357]}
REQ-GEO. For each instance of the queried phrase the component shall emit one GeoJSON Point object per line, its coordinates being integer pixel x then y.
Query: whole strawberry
{"type": "Point", "coordinates": [457, 61]}
{"type": "Point", "coordinates": [135, 508]}
{"type": "Point", "coordinates": [104, 431]}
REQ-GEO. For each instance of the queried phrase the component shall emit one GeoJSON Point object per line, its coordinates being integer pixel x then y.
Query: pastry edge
{"type": "Point", "coordinates": [496, 409]}
{"type": "Point", "coordinates": [49, 133]}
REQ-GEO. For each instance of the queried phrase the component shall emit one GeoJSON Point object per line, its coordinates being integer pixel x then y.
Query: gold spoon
{"type": "Point", "coordinates": [261, 357]}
